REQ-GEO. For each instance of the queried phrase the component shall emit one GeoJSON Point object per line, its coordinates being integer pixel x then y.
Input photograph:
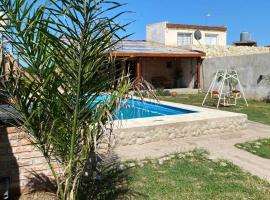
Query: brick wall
{"type": "Point", "coordinates": [19, 159]}
{"type": "Point", "coordinates": [8, 61]}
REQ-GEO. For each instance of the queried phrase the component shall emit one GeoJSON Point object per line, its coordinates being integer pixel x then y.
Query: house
{"type": "Point", "coordinates": [163, 59]}
{"type": "Point", "coordinates": [184, 35]}
{"type": "Point", "coordinates": [163, 66]}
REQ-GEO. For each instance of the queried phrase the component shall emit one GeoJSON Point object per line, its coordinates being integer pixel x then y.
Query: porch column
{"type": "Point", "coordinates": [199, 62]}
{"type": "Point", "coordinates": [139, 70]}
{"type": "Point", "coordinates": [123, 67]}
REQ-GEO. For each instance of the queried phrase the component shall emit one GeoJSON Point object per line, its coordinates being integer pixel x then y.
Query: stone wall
{"type": "Point", "coordinates": [147, 134]}
{"type": "Point", "coordinates": [253, 71]}
{"type": "Point", "coordinates": [221, 51]}
{"type": "Point", "coordinates": [19, 160]}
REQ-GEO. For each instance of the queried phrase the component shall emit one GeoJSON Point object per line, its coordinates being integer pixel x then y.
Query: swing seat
{"type": "Point", "coordinates": [225, 97]}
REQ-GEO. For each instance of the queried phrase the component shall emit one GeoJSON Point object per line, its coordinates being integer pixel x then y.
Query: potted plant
{"type": "Point", "coordinates": [173, 94]}
{"type": "Point", "coordinates": [236, 93]}
{"type": "Point", "coordinates": [215, 93]}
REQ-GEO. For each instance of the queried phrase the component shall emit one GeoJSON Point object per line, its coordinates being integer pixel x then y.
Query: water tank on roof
{"type": "Point", "coordinates": [244, 36]}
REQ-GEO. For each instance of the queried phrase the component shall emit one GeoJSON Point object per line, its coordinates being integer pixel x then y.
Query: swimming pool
{"type": "Point", "coordinates": [133, 109]}
{"type": "Point", "coordinates": [136, 108]}
{"type": "Point", "coordinates": [139, 122]}
{"type": "Point", "coordinates": [165, 121]}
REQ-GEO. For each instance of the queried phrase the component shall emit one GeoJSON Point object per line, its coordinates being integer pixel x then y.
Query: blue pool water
{"type": "Point", "coordinates": [133, 108]}
{"type": "Point", "coordinates": [138, 109]}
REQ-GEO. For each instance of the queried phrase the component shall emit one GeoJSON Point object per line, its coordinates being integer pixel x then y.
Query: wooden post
{"type": "Point", "coordinates": [199, 62]}
{"type": "Point", "coordinates": [138, 73]}
{"type": "Point", "coordinates": [123, 67]}
{"type": "Point", "coordinates": [139, 70]}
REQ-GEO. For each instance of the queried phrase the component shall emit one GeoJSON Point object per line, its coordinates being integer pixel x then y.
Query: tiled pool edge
{"type": "Point", "coordinates": [204, 122]}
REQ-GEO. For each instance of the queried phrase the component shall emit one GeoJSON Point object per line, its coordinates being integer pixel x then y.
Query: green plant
{"type": "Point", "coordinates": [162, 92]}
{"type": "Point", "coordinates": [65, 55]}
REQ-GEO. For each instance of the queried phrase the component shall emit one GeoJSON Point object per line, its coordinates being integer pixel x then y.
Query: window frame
{"type": "Point", "coordinates": [208, 35]}
{"type": "Point", "coordinates": [183, 34]}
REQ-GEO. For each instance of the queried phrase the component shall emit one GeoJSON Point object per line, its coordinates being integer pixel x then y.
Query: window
{"type": "Point", "coordinates": [211, 39]}
{"type": "Point", "coordinates": [184, 39]}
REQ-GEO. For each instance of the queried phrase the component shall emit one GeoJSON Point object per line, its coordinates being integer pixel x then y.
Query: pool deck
{"type": "Point", "coordinates": [204, 121]}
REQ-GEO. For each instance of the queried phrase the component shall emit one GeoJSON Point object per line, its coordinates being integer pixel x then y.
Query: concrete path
{"type": "Point", "coordinates": [219, 147]}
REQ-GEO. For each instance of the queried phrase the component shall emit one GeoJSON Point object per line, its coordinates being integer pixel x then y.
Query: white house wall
{"type": "Point", "coordinates": [156, 32]}
{"type": "Point", "coordinates": [171, 36]}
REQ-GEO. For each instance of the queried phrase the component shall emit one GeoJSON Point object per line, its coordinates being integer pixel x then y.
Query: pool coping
{"type": "Point", "coordinates": [201, 113]}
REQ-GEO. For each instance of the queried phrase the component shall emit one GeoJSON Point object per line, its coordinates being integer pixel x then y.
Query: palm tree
{"type": "Point", "coordinates": [60, 79]}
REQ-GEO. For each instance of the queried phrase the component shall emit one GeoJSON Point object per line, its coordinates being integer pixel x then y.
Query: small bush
{"type": "Point", "coordinates": [162, 92]}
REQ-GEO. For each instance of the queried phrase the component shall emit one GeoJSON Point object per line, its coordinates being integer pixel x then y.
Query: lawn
{"type": "Point", "coordinates": [258, 147]}
{"type": "Point", "coordinates": [196, 177]}
{"type": "Point", "coordinates": [257, 111]}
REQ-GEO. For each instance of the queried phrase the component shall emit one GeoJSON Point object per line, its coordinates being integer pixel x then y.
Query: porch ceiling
{"type": "Point", "coordinates": [141, 48]}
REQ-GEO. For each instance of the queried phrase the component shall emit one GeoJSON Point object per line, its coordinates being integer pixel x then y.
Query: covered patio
{"type": "Point", "coordinates": [162, 66]}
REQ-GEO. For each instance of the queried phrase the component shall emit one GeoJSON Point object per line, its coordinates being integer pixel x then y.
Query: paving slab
{"type": "Point", "coordinates": [220, 146]}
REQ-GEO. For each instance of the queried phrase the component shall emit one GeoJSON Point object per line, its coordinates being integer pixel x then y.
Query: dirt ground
{"type": "Point", "coordinates": [38, 195]}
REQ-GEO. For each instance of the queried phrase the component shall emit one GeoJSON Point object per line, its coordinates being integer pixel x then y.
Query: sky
{"type": "Point", "coordinates": [238, 15]}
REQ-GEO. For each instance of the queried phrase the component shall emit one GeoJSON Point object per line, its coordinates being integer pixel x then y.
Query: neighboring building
{"type": "Point", "coordinates": [183, 35]}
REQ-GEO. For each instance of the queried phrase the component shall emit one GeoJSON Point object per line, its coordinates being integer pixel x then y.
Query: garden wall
{"type": "Point", "coordinates": [253, 70]}
{"type": "Point", "coordinates": [221, 51]}
{"type": "Point", "coordinates": [20, 160]}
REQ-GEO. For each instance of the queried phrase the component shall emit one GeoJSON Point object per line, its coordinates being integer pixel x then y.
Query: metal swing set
{"type": "Point", "coordinates": [226, 93]}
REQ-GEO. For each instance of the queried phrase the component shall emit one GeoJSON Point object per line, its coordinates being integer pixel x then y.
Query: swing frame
{"type": "Point", "coordinates": [224, 98]}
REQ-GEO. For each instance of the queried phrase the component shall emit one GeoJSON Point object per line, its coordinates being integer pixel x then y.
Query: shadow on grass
{"type": "Point", "coordinates": [108, 181]}
{"type": "Point", "coordinates": [103, 180]}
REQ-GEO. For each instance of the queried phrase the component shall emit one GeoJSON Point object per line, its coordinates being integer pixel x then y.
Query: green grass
{"type": "Point", "coordinates": [258, 147]}
{"type": "Point", "coordinates": [196, 177]}
{"type": "Point", "coordinates": [257, 111]}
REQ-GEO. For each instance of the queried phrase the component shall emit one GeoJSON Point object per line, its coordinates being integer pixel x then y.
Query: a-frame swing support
{"type": "Point", "coordinates": [224, 77]}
